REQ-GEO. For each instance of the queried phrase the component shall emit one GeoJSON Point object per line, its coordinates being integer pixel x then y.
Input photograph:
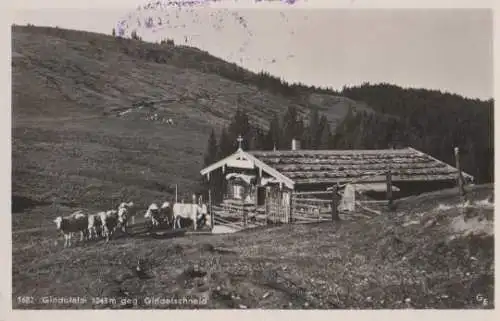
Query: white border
{"type": "Point", "coordinates": [5, 220]}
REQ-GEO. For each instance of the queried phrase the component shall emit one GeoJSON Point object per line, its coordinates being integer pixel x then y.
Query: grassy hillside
{"type": "Point", "coordinates": [423, 255]}
{"type": "Point", "coordinates": [81, 104]}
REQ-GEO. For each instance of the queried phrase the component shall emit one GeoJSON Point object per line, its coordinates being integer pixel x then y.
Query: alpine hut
{"type": "Point", "coordinates": [270, 178]}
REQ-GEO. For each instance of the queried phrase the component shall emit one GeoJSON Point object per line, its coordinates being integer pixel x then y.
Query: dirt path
{"type": "Point", "coordinates": [30, 230]}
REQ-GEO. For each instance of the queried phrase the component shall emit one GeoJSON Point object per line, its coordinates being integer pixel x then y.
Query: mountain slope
{"type": "Point", "coordinates": [82, 109]}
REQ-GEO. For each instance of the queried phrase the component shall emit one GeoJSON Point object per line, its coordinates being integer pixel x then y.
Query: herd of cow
{"type": "Point", "coordinates": [104, 224]}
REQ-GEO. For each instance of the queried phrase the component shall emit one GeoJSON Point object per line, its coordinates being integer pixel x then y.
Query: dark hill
{"type": "Point", "coordinates": [82, 107]}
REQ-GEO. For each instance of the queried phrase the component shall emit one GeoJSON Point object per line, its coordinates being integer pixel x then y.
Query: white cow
{"type": "Point", "coordinates": [109, 221]}
{"type": "Point", "coordinates": [194, 212]}
{"type": "Point", "coordinates": [76, 222]}
{"type": "Point", "coordinates": [153, 214]}
{"type": "Point", "coordinates": [123, 215]}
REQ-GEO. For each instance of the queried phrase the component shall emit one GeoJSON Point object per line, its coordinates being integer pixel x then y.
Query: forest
{"type": "Point", "coordinates": [430, 121]}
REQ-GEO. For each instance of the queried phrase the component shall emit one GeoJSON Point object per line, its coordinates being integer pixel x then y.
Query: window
{"type": "Point", "coordinates": [238, 192]}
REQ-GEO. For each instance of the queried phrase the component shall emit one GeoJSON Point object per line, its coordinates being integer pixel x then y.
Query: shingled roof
{"type": "Point", "coordinates": [332, 166]}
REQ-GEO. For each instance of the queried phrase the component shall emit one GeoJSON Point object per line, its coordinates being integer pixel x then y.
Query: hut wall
{"type": "Point", "coordinates": [406, 188]}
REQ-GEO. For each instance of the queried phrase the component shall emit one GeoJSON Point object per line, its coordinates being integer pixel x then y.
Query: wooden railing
{"type": "Point", "coordinates": [238, 214]}
{"type": "Point", "coordinates": [307, 208]}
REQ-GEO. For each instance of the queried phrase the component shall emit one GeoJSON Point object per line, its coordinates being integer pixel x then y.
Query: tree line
{"type": "Point", "coordinates": [428, 120]}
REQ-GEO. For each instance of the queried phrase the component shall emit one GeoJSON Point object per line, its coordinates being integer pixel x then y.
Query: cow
{"type": "Point", "coordinates": [109, 221]}
{"type": "Point", "coordinates": [194, 212]}
{"type": "Point", "coordinates": [158, 215]}
{"type": "Point", "coordinates": [203, 216]}
{"type": "Point", "coordinates": [94, 223]}
{"type": "Point", "coordinates": [76, 222]}
{"type": "Point", "coordinates": [153, 214]}
{"type": "Point", "coordinates": [166, 213]}
{"type": "Point", "coordinates": [123, 214]}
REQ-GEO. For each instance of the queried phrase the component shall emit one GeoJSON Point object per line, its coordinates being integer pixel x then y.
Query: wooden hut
{"type": "Point", "coordinates": [268, 178]}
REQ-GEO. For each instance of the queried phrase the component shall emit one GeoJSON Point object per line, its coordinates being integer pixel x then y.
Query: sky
{"type": "Point", "coordinates": [311, 42]}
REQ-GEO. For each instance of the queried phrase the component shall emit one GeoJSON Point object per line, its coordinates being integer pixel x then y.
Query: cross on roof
{"type": "Point", "coordinates": [239, 139]}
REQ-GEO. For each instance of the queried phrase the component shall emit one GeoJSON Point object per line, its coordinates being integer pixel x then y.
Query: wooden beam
{"type": "Point", "coordinates": [311, 193]}
{"type": "Point", "coordinates": [460, 178]}
{"type": "Point", "coordinates": [389, 189]}
{"type": "Point", "coordinates": [244, 212]}
{"type": "Point", "coordinates": [210, 210]}
{"type": "Point", "coordinates": [335, 203]}
{"type": "Point", "coordinates": [312, 200]}
{"type": "Point", "coordinates": [266, 206]}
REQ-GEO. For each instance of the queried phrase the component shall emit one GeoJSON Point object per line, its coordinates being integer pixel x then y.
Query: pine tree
{"type": "Point", "coordinates": [113, 33]}
{"type": "Point", "coordinates": [212, 149]}
{"type": "Point", "coordinates": [312, 130]}
{"type": "Point", "coordinates": [324, 133]}
{"type": "Point", "coordinates": [240, 125]}
{"type": "Point", "coordinates": [273, 137]}
{"type": "Point", "coordinates": [210, 158]}
{"type": "Point", "coordinates": [259, 139]}
{"type": "Point", "coordinates": [292, 127]}
{"type": "Point", "coordinates": [135, 36]}
{"type": "Point", "coordinates": [332, 141]}
{"type": "Point", "coordinates": [226, 146]}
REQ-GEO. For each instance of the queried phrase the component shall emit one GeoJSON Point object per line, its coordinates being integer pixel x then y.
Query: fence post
{"type": "Point", "coordinates": [460, 183]}
{"type": "Point", "coordinates": [460, 180]}
{"type": "Point", "coordinates": [277, 211]}
{"type": "Point", "coordinates": [244, 213]}
{"type": "Point", "coordinates": [278, 208]}
{"type": "Point", "coordinates": [266, 206]}
{"type": "Point", "coordinates": [210, 210]}
{"type": "Point", "coordinates": [290, 212]}
{"type": "Point", "coordinates": [389, 189]}
{"type": "Point", "coordinates": [335, 213]}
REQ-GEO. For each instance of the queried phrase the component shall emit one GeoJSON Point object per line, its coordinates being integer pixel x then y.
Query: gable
{"type": "Point", "coordinates": [240, 161]}
{"type": "Point", "coordinates": [244, 160]}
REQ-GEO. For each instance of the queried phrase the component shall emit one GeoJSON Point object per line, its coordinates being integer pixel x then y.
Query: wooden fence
{"type": "Point", "coordinates": [277, 210]}
{"type": "Point", "coordinates": [296, 207]}
{"type": "Point", "coordinates": [306, 208]}
{"type": "Point", "coordinates": [238, 215]}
